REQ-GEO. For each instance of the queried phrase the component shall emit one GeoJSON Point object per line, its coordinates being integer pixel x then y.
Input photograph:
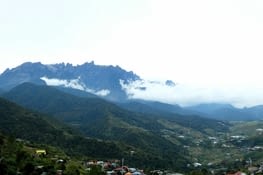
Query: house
{"type": "Point", "coordinates": [41, 152]}
{"type": "Point", "coordinates": [237, 173]}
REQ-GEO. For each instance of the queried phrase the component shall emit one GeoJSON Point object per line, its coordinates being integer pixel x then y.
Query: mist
{"type": "Point", "coordinates": [192, 94]}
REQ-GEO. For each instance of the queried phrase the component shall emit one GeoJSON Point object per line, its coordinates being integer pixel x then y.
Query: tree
{"type": "Point", "coordinates": [72, 169]}
{"type": "Point", "coordinates": [96, 170]}
{"type": "Point", "coordinates": [28, 169]}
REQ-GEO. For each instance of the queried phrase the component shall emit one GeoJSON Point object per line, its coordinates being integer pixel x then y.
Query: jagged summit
{"type": "Point", "coordinates": [96, 79]}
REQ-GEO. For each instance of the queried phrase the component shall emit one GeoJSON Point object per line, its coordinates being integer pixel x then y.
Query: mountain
{"type": "Point", "coordinates": [218, 111]}
{"type": "Point", "coordinates": [80, 111]}
{"type": "Point", "coordinates": [225, 112]}
{"type": "Point", "coordinates": [176, 115]}
{"type": "Point", "coordinates": [77, 92]}
{"type": "Point", "coordinates": [155, 107]}
{"type": "Point", "coordinates": [108, 82]}
{"type": "Point", "coordinates": [99, 80]}
{"type": "Point", "coordinates": [255, 111]}
{"type": "Point", "coordinates": [154, 134]}
{"type": "Point", "coordinates": [21, 123]}
{"type": "Point", "coordinates": [153, 150]}
{"type": "Point", "coordinates": [102, 120]}
{"type": "Point", "coordinates": [210, 107]}
{"type": "Point", "coordinates": [228, 112]}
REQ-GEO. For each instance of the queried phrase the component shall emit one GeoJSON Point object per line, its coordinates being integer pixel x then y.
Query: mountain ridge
{"type": "Point", "coordinates": [88, 76]}
{"type": "Point", "coordinates": [228, 112]}
{"type": "Point", "coordinates": [32, 126]}
{"type": "Point", "coordinates": [99, 119]}
{"type": "Point", "coordinates": [55, 102]}
{"type": "Point", "coordinates": [90, 80]}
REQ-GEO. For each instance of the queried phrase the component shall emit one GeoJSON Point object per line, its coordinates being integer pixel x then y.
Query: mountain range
{"type": "Point", "coordinates": [100, 80]}
{"type": "Point", "coordinates": [25, 124]}
{"type": "Point", "coordinates": [59, 105]}
{"type": "Point", "coordinates": [36, 127]}
{"type": "Point", "coordinates": [106, 82]}
{"type": "Point", "coordinates": [98, 118]}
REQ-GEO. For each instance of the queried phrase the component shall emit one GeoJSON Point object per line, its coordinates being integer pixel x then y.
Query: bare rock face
{"type": "Point", "coordinates": [97, 79]}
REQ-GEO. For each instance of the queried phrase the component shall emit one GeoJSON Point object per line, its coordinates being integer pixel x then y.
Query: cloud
{"type": "Point", "coordinates": [74, 84]}
{"type": "Point", "coordinates": [191, 94]}
{"type": "Point", "coordinates": [103, 92]}
{"type": "Point", "coordinates": [150, 90]}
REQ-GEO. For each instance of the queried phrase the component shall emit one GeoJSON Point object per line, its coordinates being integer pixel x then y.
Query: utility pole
{"type": "Point", "coordinates": [122, 164]}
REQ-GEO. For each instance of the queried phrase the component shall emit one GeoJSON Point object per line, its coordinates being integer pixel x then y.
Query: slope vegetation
{"type": "Point", "coordinates": [151, 134]}
{"type": "Point", "coordinates": [22, 123]}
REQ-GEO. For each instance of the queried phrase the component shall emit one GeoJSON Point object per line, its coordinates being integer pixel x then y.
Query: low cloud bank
{"type": "Point", "coordinates": [74, 84]}
{"type": "Point", "coordinates": [192, 94]}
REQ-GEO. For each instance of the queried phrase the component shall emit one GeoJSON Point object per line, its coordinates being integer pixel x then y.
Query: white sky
{"type": "Point", "coordinates": [213, 45]}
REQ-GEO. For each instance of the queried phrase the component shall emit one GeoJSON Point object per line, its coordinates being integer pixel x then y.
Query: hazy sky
{"type": "Point", "coordinates": [215, 46]}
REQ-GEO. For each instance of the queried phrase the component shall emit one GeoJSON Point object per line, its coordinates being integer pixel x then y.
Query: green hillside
{"type": "Point", "coordinates": [100, 119]}
{"type": "Point", "coordinates": [95, 111]}
{"type": "Point", "coordinates": [19, 157]}
{"type": "Point", "coordinates": [160, 139]}
{"type": "Point", "coordinates": [38, 128]}
{"type": "Point", "coordinates": [21, 123]}
{"type": "Point", "coordinates": [156, 137]}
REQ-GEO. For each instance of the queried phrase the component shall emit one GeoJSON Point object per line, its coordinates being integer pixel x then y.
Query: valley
{"type": "Point", "coordinates": [83, 126]}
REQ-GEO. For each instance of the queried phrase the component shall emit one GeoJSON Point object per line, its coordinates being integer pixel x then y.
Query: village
{"type": "Point", "coordinates": [230, 143]}
{"type": "Point", "coordinates": [224, 152]}
{"type": "Point", "coordinates": [226, 157]}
